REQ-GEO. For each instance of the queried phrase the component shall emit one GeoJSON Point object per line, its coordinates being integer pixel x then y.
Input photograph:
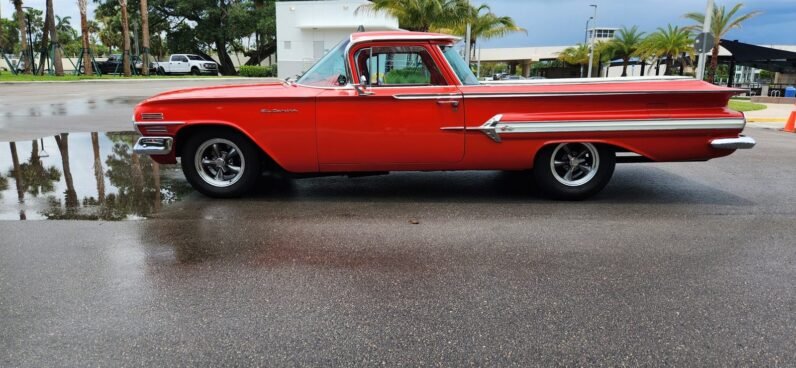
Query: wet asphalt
{"type": "Point", "coordinates": [674, 264]}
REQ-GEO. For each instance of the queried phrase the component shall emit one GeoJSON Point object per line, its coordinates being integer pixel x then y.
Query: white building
{"type": "Point", "coordinates": [306, 30]}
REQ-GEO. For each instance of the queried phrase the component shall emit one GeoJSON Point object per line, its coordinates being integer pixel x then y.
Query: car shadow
{"type": "Point", "coordinates": [631, 184]}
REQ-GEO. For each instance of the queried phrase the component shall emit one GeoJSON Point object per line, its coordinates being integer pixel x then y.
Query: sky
{"type": "Point", "coordinates": [562, 22]}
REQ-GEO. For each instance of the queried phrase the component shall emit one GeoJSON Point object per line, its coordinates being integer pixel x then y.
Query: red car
{"type": "Point", "coordinates": [401, 101]}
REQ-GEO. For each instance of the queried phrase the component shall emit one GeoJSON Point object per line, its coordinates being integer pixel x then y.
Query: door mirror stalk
{"type": "Point", "coordinates": [362, 87]}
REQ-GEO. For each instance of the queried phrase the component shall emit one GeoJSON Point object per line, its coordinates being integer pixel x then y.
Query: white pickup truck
{"type": "Point", "coordinates": [187, 64]}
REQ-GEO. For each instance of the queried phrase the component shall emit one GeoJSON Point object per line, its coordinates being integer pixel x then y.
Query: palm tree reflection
{"type": "Point", "coordinates": [136, 187]}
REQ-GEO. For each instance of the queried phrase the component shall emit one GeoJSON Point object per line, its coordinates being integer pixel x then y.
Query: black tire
{"type": "Point", "coordinates": [215, 142]}
{"type": "Point", "coordinates": [161, 71]}
{"type": "Point", "coordinates": [195, 71]}
{"type": "Point", "coordinates": [576, 172]}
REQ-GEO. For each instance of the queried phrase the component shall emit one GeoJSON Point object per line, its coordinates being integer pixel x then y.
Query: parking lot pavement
{"type": "Point", "coordinates": [681, 264]}
{"type": "Point", "coordinates": [32, 110]}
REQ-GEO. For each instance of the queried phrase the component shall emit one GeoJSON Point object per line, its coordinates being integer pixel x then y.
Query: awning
{"type": "Point", "coordinates": [760, 57]}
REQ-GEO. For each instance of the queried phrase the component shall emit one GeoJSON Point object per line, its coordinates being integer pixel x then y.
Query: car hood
{"type": "Point", "coordinates": [274, 89]}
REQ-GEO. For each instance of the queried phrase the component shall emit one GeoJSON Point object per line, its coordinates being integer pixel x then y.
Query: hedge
{"type": "Point", "coordinates": [257, 71]}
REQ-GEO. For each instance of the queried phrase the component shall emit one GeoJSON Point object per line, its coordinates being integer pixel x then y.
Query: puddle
{"type": "Point", "coordinates": [88, 176]}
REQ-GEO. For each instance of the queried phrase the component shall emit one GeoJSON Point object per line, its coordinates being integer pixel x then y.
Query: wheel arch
{"type": "Point", "coordinates": [189, 129]}
{"type": "Point", "coordinates": [609, 143]}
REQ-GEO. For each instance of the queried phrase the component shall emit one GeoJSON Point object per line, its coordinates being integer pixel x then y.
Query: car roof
{"type": "Point", "coordinates": [358, 37]}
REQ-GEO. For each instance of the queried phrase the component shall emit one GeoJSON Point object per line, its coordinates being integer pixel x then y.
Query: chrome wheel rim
{"type": "Point", "coordinates": [219, 162]}
{"type": "Point", "coordinates": [574, 164]}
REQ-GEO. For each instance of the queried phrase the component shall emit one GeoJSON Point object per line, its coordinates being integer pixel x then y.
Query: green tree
{"type": "Point", "coordinates": [625, 45]}
{"type": "Point", "coordinates": [669, 42]}
{"type": "Point", "coordinates": [722, 22]}
{"type": "Point", "coordinates": [423, 15]}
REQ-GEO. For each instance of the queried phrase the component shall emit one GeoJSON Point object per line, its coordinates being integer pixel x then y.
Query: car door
{"type": "Point", "coordinates": [400, 119]}
{"type": "Point", "coordinates": [178, 64]}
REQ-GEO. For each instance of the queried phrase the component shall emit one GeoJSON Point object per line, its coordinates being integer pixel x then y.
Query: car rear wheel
{"type": "Point", "coordinates": [221, 163]}
{"type": "Point", "coordinates": [573, 171]}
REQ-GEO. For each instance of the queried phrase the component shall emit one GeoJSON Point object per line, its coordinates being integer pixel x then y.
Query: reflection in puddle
{"type": "Point", "coordinates": [83, 176]}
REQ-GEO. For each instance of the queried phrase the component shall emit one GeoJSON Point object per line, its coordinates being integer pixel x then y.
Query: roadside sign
{"type": "Point", "coordinates": [709, 42]}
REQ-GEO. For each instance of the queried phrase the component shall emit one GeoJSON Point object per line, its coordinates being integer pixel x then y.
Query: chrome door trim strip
{"type": "Point", "coordinates": [159, 122]}
{"type": "Point", "coordinates": [570, 94]}
{"type": "Point", "coordinates": [494, 128]}
{"type": "Point", "coordinates": [428, 96]}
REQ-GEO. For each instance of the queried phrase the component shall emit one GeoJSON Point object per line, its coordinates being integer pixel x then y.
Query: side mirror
{"type": "Point", "coordinates": [362, 87]}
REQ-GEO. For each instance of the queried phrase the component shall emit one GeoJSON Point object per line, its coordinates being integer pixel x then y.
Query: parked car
{"type": "Point", "coordinates": [114, 64]}
{"type": "Point", "coordinates": [506, 76]}
{"type": "Point", "coordinates": [187, 64]}
{"type": "Point", "coordinates": [400, 101]}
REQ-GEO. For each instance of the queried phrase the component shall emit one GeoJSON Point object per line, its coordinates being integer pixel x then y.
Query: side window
{"type": "Point", "coordinates": [183, 59]}
{"type": "Point", "coordinates": [175, 58]}
{"type": "Point", "coordinates": [398, 66]}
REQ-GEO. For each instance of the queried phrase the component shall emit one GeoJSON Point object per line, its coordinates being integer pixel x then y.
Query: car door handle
{"type": "Point", "coordinates": [453, 103]}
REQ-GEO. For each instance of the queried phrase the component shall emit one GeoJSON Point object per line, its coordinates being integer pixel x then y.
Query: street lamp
{"type": "Point", "coordinates": [30, 41]}
{"type": "Point", "coordinates": [585, 40]}
{"type": "Point", "coordinates": [593, 35]}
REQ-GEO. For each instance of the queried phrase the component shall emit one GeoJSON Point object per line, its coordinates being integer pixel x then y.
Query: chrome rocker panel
{"type": "Point", "coordinates": [153, 145]}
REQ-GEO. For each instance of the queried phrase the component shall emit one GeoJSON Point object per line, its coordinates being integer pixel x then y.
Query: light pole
{"type": "Point", "coordinates": [585, 40]}
{"type": "Point", "coordinates": [703, 56]}
{"type": "Point", "coordinates": [591, 42]}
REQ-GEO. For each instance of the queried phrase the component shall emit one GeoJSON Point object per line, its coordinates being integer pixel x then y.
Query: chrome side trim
{"type": "Point", "coordinates": [742, 142]}
{"type": "Point", "coordinates": [153, 145]}
{"type": "Point", "coordinates": [558, 81]}
{"type": "Point", "coordinates": [494, 128]}
{"type": "Point", "coordinates": [429, 96]}
{"type": "Point", "coordinates": [159, 122]}
{"type": "Point", "coordinates": [570, 94]}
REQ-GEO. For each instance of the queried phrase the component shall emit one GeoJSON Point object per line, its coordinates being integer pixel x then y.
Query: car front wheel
{"type": "Point", "coordinates": [573, 171]}
{"type": "Point", "coordinates": [220, 163]}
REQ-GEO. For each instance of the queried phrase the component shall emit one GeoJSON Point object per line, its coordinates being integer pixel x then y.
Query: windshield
{"type": "Point", "coordinates": [459, 66]}
{"type": "Point", "coordinates": [329, 71]}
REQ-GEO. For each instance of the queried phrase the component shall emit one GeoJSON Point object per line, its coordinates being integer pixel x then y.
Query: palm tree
{"type": "Point", "coordinates": [23, 37]}
{"type": "Point", "coordinates": [422, 15]}
{"type": "Point", "coordinates": [484, 25]}
{"type": "Point", "coordinates": [99, 174]}
{"type": "Point", "coordinates": [668, 43]}
{"type": "Point", "coordinates": [575, 55]}
{"type": "Point", "coordinates": [18, 178]}
{"type": "Point", "coordinates": [145, 37]}
{"type": "Point", "coordinates": [721, 23]}
{"type": "Point", "coordinates": [63, 24]}
{"type": "Point", "coordinates": [62, 140]}
{"type": "Point", "coordinates": [125, 38]}
{"type": "Point", "coordinates": [83, 5]}
{"type": "Point", "coordinates": [625, 45]}
{"type": "Point", "coordinates": [57, 62]}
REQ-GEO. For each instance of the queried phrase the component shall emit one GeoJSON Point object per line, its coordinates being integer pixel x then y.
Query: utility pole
{"type": "Point", "coordinates": [700, 73]}
{"type": "Point", "coordinates": [591, 42]}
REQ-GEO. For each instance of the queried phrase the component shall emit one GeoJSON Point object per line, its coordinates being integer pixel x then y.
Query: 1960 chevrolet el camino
{"type": "Point", "coordinates": [398, 101]}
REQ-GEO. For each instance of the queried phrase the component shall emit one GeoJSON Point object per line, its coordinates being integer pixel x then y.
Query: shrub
{"type": "Point", "coordinates": [257, 71]}
{"type": "Point", "coordinates": [407, 76]}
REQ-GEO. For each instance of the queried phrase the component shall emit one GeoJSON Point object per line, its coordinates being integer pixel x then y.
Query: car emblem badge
{"type": "Point", "coordinates": [274, 111]}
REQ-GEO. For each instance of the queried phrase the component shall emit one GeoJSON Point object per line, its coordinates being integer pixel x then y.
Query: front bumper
{"type": "Point", "coordinates": [153, 145]}
{"type": "Point", "coordinates": [742, 142]}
